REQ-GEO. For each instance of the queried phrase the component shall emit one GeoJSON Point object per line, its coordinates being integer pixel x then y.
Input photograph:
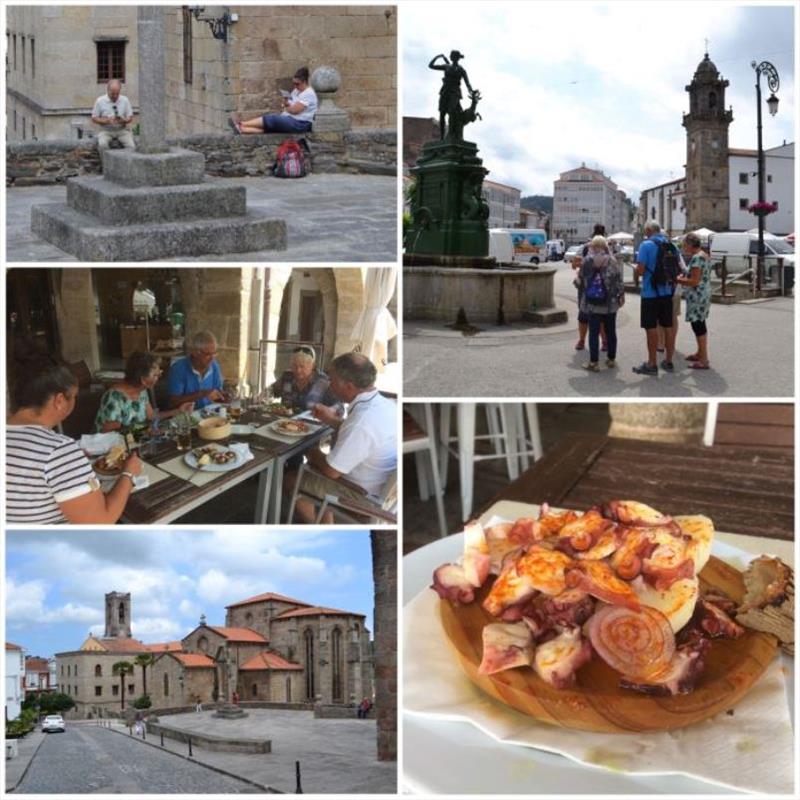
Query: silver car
{"type": "Point", "coordinates": [53, 722]}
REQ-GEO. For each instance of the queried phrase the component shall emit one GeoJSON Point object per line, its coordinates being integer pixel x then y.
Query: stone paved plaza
{"type": "Point", "coordinates": [750, 345]}
{"type": "Point", "coordinates": [337, 756]}
{"type": "Point", "coordinates": [331, 218]}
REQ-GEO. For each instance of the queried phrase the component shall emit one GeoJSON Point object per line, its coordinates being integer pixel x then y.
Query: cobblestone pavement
{"type": "Point", "coordinates": [92, 760]}
{"type": "Point", "coordinates": [341, 218]}
{"type": "Point", "coordinates": [750, 345]}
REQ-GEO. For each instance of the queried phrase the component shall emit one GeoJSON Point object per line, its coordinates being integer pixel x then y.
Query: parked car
{"type": "Point", "coordinates": [741, 248]}
{"type": "Point", "coordinates": [574, 250]}
{"type": "Point", "coordinates": [53, 722]}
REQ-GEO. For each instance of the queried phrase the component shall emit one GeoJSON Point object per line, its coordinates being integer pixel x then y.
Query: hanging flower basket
{"type": "Point", "coordinates": [762, 209]}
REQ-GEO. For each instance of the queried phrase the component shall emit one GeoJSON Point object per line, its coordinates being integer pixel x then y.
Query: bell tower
{"type": "Point", "coordinates": [707, 188]}
{"type": "Point", "coordinates": [118, 615]}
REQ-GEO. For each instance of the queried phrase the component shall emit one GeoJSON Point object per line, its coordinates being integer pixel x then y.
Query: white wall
{"type": "Point", "coordinates": [14, 672]}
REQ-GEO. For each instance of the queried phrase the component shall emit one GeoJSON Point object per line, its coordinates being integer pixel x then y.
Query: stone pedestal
{"type": "Point", "coordinates": [449, 214]}
{"type": "Point", "coordinates": [326, 81]}
{"type": "Point", "coordinates": [151, 206]}
{"type": "Point", "coordinates": [659, 422]}
{"type": "Point", "coordinates": [229, 711]}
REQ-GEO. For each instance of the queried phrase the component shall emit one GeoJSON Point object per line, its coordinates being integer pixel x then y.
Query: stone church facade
{"type": "Point", "coordinates": [272, 648]}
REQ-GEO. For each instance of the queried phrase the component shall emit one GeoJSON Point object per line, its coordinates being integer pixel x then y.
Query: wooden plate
{"type": "Point", "coordinates": [101, 470]}
{"type": "Point", "coordinates": [596, 703]}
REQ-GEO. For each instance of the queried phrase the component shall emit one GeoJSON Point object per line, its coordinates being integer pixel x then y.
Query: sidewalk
{"type": "Point", "coordinates": [17, 767]}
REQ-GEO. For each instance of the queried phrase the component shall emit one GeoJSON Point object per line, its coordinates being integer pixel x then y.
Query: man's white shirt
{"type": "Point", "coordinates": [104, 107]}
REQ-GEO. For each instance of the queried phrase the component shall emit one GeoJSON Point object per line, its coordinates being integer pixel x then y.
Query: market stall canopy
{"type": "Point", "coordinates": [621, 236]}
{"type": "Point", "coordinates": [704, 233]}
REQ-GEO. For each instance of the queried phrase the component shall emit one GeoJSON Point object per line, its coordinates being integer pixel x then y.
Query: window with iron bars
{"type": "Point", "coordinates": [110, 61]}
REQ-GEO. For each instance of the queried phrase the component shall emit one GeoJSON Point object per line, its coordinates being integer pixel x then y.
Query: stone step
{"type": "Point", "coordinates": [115, 204]}
{"type": "Point", "coordinates": [90, 240]}
{"type": "Point", "coordinates": [546, 316]}
{"type": "Point", "coordinates": [175, 167]}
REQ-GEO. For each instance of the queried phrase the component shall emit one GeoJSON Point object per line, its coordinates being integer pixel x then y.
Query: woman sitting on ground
{"type": "Point", "coordinates": [127, 403]}
{"type": "Point", "coordinates": [302, 386]}
{"type": "Point", "coordinates": [602, 294]}
{"type": "Point", "coordinates": [697, 292]}
{"type": "Point", "coordinates": [48, 477]}
{"type": "Point", "coordinates": [298, 112]}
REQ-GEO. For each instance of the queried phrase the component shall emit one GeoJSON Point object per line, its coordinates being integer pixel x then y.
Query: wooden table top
{"type": "Point", "coordinates": [743, 490]}
{"type": "Point", "coordinates": [169, 496]}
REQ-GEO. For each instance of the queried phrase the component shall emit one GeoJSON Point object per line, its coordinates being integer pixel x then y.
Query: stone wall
{"type": "Point", "coordinates": [368, 152]}
{"type": "Point", "coordinates": [197, 682]}
{"type": "Point", "coordinates": [256, 616]}
{"type": "Point", "coordinates": [271, 685]}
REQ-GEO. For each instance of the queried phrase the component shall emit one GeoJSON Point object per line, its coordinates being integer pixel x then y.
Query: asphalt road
{"type": "Point", "coordinates": [92, 760]}
{"type": "Point", "coordinates": [750, 347]}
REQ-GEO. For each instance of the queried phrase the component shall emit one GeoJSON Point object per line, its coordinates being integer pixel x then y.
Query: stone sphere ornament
{"type": "Point", "coordinates": [326, 80]}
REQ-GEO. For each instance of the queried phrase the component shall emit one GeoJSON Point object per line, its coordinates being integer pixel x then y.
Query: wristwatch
{"type": "Point", "coordinates": [129, 475]}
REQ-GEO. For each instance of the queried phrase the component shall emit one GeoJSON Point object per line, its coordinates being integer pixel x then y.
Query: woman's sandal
{"type": "Point", "coordinates": [580, 346]}
{"type": "Point", "coordinates": [698, 365]}
{"type": "Point", "coordinates": [693, 357]}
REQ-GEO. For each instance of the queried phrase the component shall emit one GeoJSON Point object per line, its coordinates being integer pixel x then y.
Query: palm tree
{"type": "Point", "coordinates": [144, 660]}
{"type": "Point", "coordinates": [122, 668]}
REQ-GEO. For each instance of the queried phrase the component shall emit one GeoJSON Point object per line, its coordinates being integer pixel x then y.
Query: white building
{"type": "Point", "coordinates": [665, 203]}
{"type": "Point", "coordinates": [503, 204]}
{"type": "Point", "coordinates": [15, 678]}
{"type": "Point", "coordinates": [583, 198]}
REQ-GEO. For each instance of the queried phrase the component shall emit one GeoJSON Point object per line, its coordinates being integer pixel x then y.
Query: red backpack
{"type": "Point", "coordinates": [290, 160]}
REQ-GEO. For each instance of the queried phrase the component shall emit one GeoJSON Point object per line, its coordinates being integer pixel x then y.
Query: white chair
{"type": "Point", "coordinates": [712, 410]}
{"type": "Point", "coordinates": [506, 426]}
{"type": "Point", "coordinates": [419, 439]}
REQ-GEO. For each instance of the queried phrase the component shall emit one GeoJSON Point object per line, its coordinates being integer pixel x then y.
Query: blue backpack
{"type": "Point", "coordinates": [596, 287]}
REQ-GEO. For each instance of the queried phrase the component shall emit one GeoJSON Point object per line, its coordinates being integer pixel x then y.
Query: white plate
{"type": "Point", "coordinates": [448, 756]}
{"type": "Point", "coordinates": [243, 430]}
{"type": "Point", "coordinates": [191, 460]}
{"type": "Point", "coordinates": [275, 426]}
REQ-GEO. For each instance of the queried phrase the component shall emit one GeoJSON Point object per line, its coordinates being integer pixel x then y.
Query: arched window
{"type": "Point", "coordinates": [166, 685]}
{"type": "Point", "coordinates": [255, 690]}
{"type": "Point", "coordinates": [248, 617]}
{"type": "Point", "coordinates": [122, 613]}
{"type": "Point", "coordinates": [308, 641]}
{"type": "Point", "coordinates": [98, 671]}
{"type": "Point", "coordinates": [337, 665]}
{"type": "Point", "coordinates": [288, 689]}
{"type": "Point", "coordinates": [712, 99]}
{"type": "Point", "coordinates": [202, 644]}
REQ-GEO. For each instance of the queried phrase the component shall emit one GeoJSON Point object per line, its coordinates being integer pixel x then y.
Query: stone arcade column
{"type": "Point", "coordinates": [155, 202]}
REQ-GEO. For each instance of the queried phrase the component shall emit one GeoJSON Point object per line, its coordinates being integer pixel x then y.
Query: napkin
{"type": "Point", "coordinates": [242, 449]}
{"type": "Point", "coordinates": [751, 750]}
{"type": "Point", "coordinates": [97, 444]}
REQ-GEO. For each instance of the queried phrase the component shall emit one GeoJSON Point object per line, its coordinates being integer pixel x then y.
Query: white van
{"type": "Point", "coordinates": [500, 245]}
{"type": "Point", "coordinates": [737, 246]}
{"type": "Point", "coordinates": [530, 244]}
{"type": "Point", "coordinates": [557, 247]}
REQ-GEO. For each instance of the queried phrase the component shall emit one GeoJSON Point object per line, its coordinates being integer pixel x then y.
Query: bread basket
{"type": "Point", "coordinates": [214, 428]}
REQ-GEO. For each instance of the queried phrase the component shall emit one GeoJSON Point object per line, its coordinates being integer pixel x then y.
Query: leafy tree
{"type": "Point", "coordinates": [144, 660]}
{"type": "Point", "coordinates": [143, 701]}
{"type": "Point", "coordinates": [54, 702]}
{"type": "Point", "coordinates": [122, 668]}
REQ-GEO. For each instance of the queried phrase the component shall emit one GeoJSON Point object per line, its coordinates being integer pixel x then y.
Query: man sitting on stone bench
{"type": "Point", "coordinates": [113, 112]}
{"type": "Point", "coordinates": [297, 115]}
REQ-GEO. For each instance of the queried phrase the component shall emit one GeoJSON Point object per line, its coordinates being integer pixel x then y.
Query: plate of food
{"type": "Point", "coordinates": [213, 458]}
{"type": "Point", "coordinates": [293, 427]}
{"type": "Point", "coordinates": [614, 620]}
{"type": "Point", "coordinates": [112, 463]}
{"type": "Point", "coordinates": [279, 409]}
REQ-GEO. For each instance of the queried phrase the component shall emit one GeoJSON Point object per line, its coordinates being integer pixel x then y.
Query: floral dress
{"type": "Point", "coordinates": [698, 298]}
{"type": "Point", "coordinates": [116, 406]}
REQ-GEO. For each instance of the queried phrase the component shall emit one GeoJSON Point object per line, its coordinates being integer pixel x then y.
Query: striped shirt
{"type": "Point", "coordinates": [43, 469]}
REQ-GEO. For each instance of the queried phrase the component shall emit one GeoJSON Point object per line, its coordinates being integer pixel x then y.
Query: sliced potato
{"type": "Point", "coordinates": [676, 603]}
{"type": "Point", "coordinates": [701, 531]}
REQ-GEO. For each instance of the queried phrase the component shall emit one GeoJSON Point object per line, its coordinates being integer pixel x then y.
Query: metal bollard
{"type": "Point", "coordinates": [190, 747]}
{"type": "Point", "coordinates": [298, 787]}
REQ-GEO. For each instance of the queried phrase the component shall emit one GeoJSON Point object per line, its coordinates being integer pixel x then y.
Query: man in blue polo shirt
{"type": "Point", "coordinates": [197, 378]}
{"type": "Point", "coordinates": [656, 302]}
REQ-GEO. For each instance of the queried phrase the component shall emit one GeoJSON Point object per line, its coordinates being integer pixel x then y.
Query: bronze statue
{"type": "Point", "coordinates": [450, 96]}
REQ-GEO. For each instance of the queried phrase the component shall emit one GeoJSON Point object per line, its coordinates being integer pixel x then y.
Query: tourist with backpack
{"type": "Point", "coordinates": [602, 294]}
{"type": "Point", "coordinates": [583, 318]}
{"type": "Point", "coordinates": [658, 265]}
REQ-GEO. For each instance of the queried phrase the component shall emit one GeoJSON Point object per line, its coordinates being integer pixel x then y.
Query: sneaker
{"type": "Point", "coordinates": [591, 366]}
{"type": "Point", "coordinates": [667, 366]}
{"type": "Point", "coordinates": [611, 363]}
{"type": "Point", "coordinates": [645, 369]}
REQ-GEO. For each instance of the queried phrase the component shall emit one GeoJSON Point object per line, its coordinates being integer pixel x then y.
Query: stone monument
{"type": "Point", "coordinates": [155, 202]}
{"type": "Point", "coordinates": [326, 81]}
{"type": "Point", "coordinates": [228, 709]}
{"type": "Point", "coordinates": [448, 273]}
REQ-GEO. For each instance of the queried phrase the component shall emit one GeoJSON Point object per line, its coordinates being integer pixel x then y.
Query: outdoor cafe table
{"type": "Point", "coordinates": [744, 490]}
{"type": "Point", "coordinates": [172, 497]}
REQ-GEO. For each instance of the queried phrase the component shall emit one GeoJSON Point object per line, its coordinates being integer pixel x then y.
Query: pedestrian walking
{"type": "Point", "coordinates": [138, 723]}
{"type": "Point", "coordinates": [198, 706]}
{"type": "Point", "coordinates": [697, 291]}
{"type": "Point", "coordinates": [658, 264]}
{"type": "Point", "coordinates": [602, 295]}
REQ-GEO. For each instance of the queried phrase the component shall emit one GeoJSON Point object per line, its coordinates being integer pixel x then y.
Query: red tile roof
{"type": "Point", "coordinates": [267, 660]}
{"type": "Point", "coordinates": [12, 646]}
{"type": "Point", "coordinates": [192, 659]}
{"type": "Point", "coordinates": [239, 634]}
{"type": "Point", "coordinates": [122, 645]}
{"type": "Point", "coordinates": [315, 611]}
{"type": "Point", "coordinates": [36, 665]}
{"type": "Point", "coordinates": [259, 598]}
{"type": "Point", "coordinates": [165, 647]}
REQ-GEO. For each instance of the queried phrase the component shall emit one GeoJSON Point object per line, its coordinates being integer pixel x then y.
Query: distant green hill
{"type": "Point", "coordinates": [540, 202]}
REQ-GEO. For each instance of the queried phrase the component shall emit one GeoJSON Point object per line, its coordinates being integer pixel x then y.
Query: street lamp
{"type": "Point", "coordinates": [773, 82]}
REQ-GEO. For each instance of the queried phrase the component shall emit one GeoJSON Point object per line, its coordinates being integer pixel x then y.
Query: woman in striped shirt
{"type": "Point", "coordinates": [48, 477]}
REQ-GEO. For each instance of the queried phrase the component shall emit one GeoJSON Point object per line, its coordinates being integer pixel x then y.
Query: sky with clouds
{"type": "Point", "coordinates": [56, 580]}
{"type": "Point", "coordinates": [568, 82]}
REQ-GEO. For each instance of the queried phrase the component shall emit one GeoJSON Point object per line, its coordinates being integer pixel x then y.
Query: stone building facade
{"type": "Point", "coordinates": [271, 649]}
{"type": "Point", "coordinates": [61, 57]}
{"type": "Point", "coordinates": [503, 203]}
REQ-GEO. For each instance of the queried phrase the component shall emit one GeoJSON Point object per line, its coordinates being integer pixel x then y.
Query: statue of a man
{"type": "Point", "coordinates": [450, 93]}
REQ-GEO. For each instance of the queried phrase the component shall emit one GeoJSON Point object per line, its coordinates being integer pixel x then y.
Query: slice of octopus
{"type": "Point", "coordinates": [451, 583]}
{"type": "Point", "coordinates": [598, 579]}
{"type": "Point", "coordinates": [551, 523]}
{"type": "Point", "coordinates": [583, 533]}
{"type": "Point", "coordinates": [636, 544]}
{"type": "Point", "coordinates": [557, 660]}
{"type": "Point", "coordinates": [667, 564]}
{"type": "Point", "coordinates": [476, 554]}
{"type": "Point", "coordinates": [505, 646]}
{"type": "Point", "coordinates": [679, 677]}
{"type": "Point", "coordinates": [537, 569]}
{"type": "Point", "coordinates": [631, 512]}
{"type": "Point", "coordinates": [714, 622]}
{"type": "Point", "coordinates": [509, 537]}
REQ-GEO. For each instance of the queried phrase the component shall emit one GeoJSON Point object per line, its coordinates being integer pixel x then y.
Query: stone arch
{"type": "Point", "coordinates": [202, 644]}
